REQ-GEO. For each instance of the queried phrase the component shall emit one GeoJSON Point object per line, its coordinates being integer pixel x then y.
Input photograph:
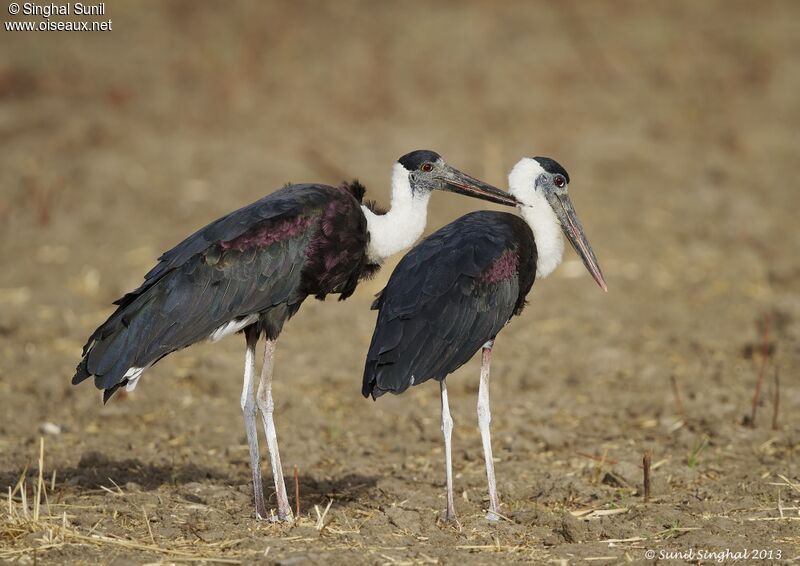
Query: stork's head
{"type": "Point", "coordinates": [542, 182]}
{"type": "Point", "coordinates": [425, 171]}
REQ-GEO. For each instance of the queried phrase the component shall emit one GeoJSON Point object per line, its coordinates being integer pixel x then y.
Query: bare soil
{"type": "Point", "coordinates": [680, 125]}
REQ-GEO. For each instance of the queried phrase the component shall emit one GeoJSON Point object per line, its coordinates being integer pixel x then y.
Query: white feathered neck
{"type": "Point", "coordinates": [539, 215]}
{"type": "Point", "coordinates": [405, 222]}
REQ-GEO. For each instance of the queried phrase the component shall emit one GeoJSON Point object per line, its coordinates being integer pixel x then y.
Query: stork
{"type": "Point", "coordinates": [251, 270]}
{"type": "Point", "coordinates": [456, 290]}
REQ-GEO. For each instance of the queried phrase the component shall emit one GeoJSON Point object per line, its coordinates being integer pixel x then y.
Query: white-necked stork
{"type": "Point", "coordinates": [455, 291]}
{"type": "Point", "coordinates": [252, 269]}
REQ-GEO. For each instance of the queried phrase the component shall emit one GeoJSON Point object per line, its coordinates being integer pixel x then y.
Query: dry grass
{"type": "Point", "coordinates": [30, 525]}
{"type": "Point", "coordinates": [34, 525]}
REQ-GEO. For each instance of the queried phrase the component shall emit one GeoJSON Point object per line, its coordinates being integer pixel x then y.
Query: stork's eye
{"type": "Point", "coordinates": [427, 167]}
{"type": "Point", "coordinates": [560, 181]}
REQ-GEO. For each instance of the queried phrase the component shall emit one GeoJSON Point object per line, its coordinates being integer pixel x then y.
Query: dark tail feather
{"type": "Point", "coordinates": [81, 373]}
{"type": "Point", "coordinates": [367, 385]}
{"type": "Point", "coordinates": [114, 348]}
{"type": "Point", "coordinates": [107, 393]}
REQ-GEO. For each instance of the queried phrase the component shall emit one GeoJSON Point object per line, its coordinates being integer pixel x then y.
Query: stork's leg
{"type": "Point", "coordinates": [447, 429]}
{"type": "Point", "coordinates": [249, 411]}
{"type": "Point", "coordinates": [266, 406]}
{"type": "Point", "coordinates": [484, 418]}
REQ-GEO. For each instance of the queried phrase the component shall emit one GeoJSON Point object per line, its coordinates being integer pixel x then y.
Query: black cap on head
{"type": "Point", "coordinates": [552, 166]}
{"type": "Point", "coordinates": [412, 161]}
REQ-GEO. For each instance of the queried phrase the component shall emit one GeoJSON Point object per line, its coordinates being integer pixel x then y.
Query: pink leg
{"type": "Point", "coordinates": [267, 406]}
{"type": "Point", "coordinates": [249, 410]}
{"type": "Point", "coordinates": [484, 418]}
{"type": "Point", "coordinates": [447, 429]}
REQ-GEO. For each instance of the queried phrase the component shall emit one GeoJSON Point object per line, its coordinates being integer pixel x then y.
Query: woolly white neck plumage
{"type": "Point", "coordinates": [405, 222]}
{"type": "Point", "coordinates": [539, 215]}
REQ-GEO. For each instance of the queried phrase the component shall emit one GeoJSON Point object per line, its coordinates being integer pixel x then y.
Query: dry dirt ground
{"type": "Point", "coordinates": [680, 125]}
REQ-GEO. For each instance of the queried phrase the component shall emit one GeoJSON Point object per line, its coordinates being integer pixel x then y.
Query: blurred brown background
{"type": "Point", "coordinates": [680, 127]}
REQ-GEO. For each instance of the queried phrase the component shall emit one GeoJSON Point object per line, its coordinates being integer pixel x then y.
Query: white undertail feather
{"type": "Point", "coordinates": [405, 222]}
{"type": "Point", "coordinates": [232, 327]}
{"type": "Point", "coordinates": [133, 375]}
{"type": "Point", "coordinates": [539, 215]}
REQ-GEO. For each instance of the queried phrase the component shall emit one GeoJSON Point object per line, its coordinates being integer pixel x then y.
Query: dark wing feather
{"type": "Point", "coordinates": [250, 261]}
{"type": "Point", "coordinates": [289, 201]}
{"type": "Point", "coordinates": [447, 297]}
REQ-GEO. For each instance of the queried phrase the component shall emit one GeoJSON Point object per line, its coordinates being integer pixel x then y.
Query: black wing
{"type": "Point", "coordinates": [447, 297]}
{"type": "Point", "coordinates": [250, 261]}
{"type": "Point", "coordinates": [290, 201]}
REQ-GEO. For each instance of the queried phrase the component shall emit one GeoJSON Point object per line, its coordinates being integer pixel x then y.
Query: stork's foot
{"type": "Point", "coordinates": [272, 517]}
{"type": "Point", "coordinates": [285, 517]}
{"type": "Point", "coordinates": [492, 517]}
{"type": "Point", "coordinates": [261, 506]}
{"type": "Point", "coordinates": [261, 514]}
{"type": "Point", "coordinates": [450, 517]}
{"type": "Point", "coordinates": [285, 514]}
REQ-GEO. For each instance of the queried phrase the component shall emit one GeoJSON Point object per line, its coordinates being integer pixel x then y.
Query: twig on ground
{"type": "Point", "coordinates": [321, 518]}
{"type": "Point", "coordinates": [760, 379]}
{"type": "Point", "coordinates": [676, 392]}
{"type": "Point", "coordinates": [787, 482]}
{"type": "Point", "coordinates": [296, 493]}
{"type": "Point", "coordinates": [693, 458]}
{"type": "Point", "coordinates": [598, 470]}
{"type": "Point", "coordinates": [39, 482]}
{"type": "Point", "coordinates": [776, 399]}
{"type": "Point", "coordinates": [147, 522]}
{"type": "Point", "coordinates": [646, 461]}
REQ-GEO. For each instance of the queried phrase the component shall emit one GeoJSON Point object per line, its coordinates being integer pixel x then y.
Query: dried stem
{"type": "Point", "coordinates": [296, 493]}
{"type": "Point", "coordinates": [39, 482]}
{"type": "Point", "coordinates": [776, 399]}
{"type": "Point", "coordinates": [147, 522]}
{"type": "Point", "coordinates": [760, 379]}
{"type": "Point", "coordinates": [646, 461]}
{"type": "Point", "coordinates": [677, 393]}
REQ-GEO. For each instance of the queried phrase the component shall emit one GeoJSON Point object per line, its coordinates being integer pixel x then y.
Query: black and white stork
{"type": "Point", "coordinates": [252, 269]}
{"type": "Point", "coordinates": [456, 290]}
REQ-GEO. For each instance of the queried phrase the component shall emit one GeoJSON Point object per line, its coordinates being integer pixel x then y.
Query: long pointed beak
{"type": "Point", "coordinates": [562, 205]}
{"type": "Point", "coordinates": [457, 182]}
